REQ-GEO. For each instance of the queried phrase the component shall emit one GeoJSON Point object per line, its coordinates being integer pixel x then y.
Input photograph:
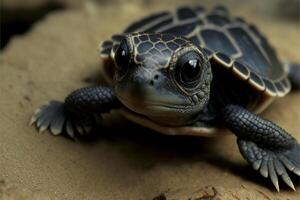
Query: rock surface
{"type": "Point", "coordinates": [123, 163]}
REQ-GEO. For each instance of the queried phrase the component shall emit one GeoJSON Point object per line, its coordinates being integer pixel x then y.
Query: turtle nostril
{"type": "Point", "coordinates": [151, 82]}
{"type": "Point", "coordinates": [155, 79]}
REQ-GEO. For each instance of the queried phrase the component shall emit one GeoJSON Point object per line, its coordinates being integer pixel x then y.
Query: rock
{"type": "Point", "coordinates": [123, 163]}
{"type": "Point", "coordinates": [212, 192]}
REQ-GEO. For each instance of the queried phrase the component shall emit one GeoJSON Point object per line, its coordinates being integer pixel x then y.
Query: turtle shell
{"type": "Point", "coordinates": [232, 42]}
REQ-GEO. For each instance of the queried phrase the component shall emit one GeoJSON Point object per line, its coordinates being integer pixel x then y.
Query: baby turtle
{"type": "Point", "coordinates": [190, 72]}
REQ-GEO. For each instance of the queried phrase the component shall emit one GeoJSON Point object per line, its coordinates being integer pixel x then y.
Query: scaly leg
{"type": "Point", "coordinates": [77, 113]}
{"type": "Point", "coordinates": [266, 146]}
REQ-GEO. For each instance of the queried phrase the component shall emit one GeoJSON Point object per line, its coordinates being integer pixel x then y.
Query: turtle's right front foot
{"type": "Point", "coordinates": [55, 117]}
{"type": "Point", "coordinates": [267, 147]}
{"type": "Point", "coordinates": [76, 115]}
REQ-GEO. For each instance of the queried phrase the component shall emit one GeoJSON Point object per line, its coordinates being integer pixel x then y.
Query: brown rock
{"type": "Point", "coordinates": [124, 163]}
{"type": "Point", "coordinates": [212, 193]}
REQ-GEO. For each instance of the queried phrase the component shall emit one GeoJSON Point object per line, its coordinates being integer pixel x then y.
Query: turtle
{"type": "Point", "coordinates": [190, 71]}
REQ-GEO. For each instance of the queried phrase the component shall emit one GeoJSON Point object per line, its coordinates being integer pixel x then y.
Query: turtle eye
{"type": "Point", "coordinates": [122, 57]}
{"type": "Point", "coordinates": [189, 69]}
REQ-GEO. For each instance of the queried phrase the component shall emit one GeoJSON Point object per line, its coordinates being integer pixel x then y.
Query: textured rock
{"type": "Point", "coordinates": [212, 192]}
{"type": "Point", "coordinates": [123, 163]}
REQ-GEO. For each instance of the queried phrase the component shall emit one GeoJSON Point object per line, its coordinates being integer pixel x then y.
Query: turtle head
{"type": "Point", "coordinates": [163, 77]}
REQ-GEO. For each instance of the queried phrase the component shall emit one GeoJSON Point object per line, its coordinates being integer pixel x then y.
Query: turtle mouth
{"type": "Point", "coordinates": [157, 112]}
{"type": "Point", "coordinates": [135, 114]}
{"type": "Point", "coordinates": [134, 105]}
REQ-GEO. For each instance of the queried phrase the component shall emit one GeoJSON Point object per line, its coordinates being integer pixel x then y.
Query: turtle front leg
{"type": "Point", "coordinates": [77, 114]}
{"type": "Point", "coordinates": [266, 146]}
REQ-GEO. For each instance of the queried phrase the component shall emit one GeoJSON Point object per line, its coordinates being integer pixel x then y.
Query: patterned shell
{"type": "Point", "coordinates": [233, 43]}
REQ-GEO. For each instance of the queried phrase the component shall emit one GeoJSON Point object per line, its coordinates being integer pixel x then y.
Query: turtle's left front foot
{"type": "Point", "coordinates": [266, 146]}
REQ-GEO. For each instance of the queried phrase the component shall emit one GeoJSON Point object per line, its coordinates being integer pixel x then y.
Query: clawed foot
{"type": "Point", "coordinates": [273, 164]}
{"type": "Point", "coordinates": [55, 117]}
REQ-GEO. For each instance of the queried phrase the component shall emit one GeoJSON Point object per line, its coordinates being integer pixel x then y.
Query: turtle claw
{"type": "Point", "coordinates": [272, 174]}
{"type": "Point", "coordinates": [52, 116]}
{"type": "Point", "coordinates": [69, 129]}
{"type": "Point", "coordinates": [272, 163]}
{"type": "Point", "coordinates": [36, 114]}
{"type": "Point", "coordinates": [57, 119]}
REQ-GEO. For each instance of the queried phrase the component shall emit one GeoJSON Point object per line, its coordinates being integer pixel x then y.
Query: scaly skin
{"type": "Point", "coordinates": [266, 146]}
{"type": "Point", "coordinates": [77, 114]}
{"type": "Point", "coordinates": [171, 85]}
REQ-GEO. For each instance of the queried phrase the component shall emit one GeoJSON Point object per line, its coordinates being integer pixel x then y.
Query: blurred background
{"type": "Point", "coordinates": [17, 16]}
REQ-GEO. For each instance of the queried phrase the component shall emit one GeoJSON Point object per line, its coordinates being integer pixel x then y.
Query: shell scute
{"type": "Point", "coordinates": [218, 41]}
{"type": "Point", "coordinates": [245, 50]}
{"type": "Point", "coordinates": [186, 12]}
{"type": "Point", "coordinates": [257, 81]}
{"type": "Point", "coordinates": [241, 70]}
{"type": "Point", "coordinates": [224, 58]}
{"type": "Point", "coordinates": [217, 19]}
{"type": "Point", "coordinates": [161, 24]}
{"type": "Point", "coordinates": [139, 24]}
{"type": "Point", "coordinates": [270, 87]}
